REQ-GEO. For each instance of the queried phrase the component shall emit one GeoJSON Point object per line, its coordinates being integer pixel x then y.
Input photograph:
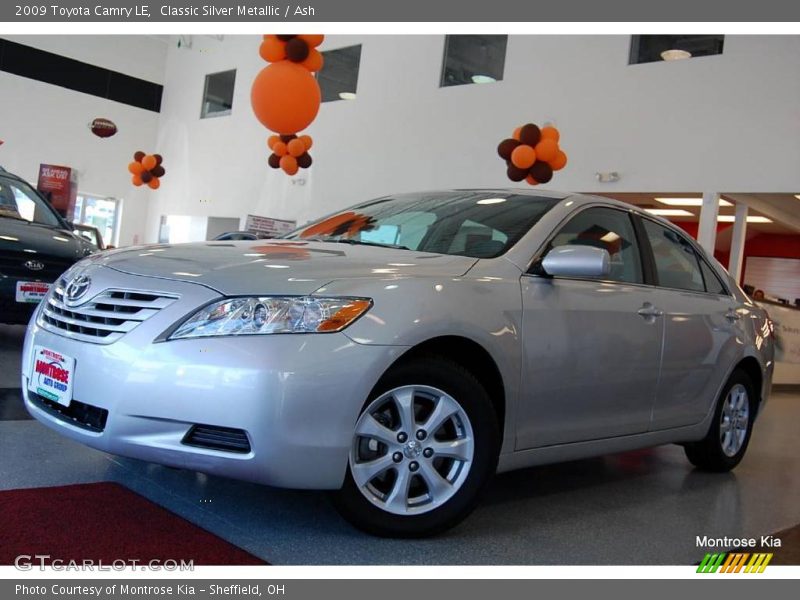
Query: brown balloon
{"type": "Point", "coordinates": [146, 176]}
{"type": "Point", "coordinates": [288, 138]}
{"type": "Point", "coordinates": [304, 161]}
{"type": "Point", "coordinates": [138, 156]}
{"type": "Point", "coordinates": [530, 134]}
{"type": "Point", "coordinates": [158, 171]}
{"type": "Point", "coordinates": [515, 174]}
{"type": "Point", "coordinates": [506, 147]}
{"type": "Point", "coordinates": [297, 50]}
{"type": "Point", "coordinates": [159, 159]}
{"type": "Point", "coordinates": [286, 38]}
{"type": "Point", "coordinates": [274, 161]}
{"type": "Point", "coordinates": [541, 171]}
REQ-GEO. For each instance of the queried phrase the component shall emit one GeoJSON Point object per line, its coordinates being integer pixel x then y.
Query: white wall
{"type": "Point", "coordinates": [42, 123]}
{"type": "Point", "coordinates": [722, 123]}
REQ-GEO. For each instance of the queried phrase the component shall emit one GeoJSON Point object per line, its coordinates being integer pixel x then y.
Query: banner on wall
{"type": "Point", "coordinates": [60, 186]}
{"type": "Point", "coordinates": [268, 226]}
{"type": "Point", "coordinates": [787, 332]}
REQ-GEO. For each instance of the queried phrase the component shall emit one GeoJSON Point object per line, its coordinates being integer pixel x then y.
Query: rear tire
{"type": "Point", "coordinates": [726, 442]}
{"type": "Point", "coordinates": [418, 474]}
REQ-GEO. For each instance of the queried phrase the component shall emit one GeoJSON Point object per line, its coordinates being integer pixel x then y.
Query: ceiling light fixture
{"type": "Point", "coordinates": [347, 95]}
{"type": "Point", "coordinates": [675, 54]}
{"type": "Point", "coordinates": [491, 201]}
{"type": "Point", "coordinates": [669, 212]}
{"type": "Point", "coordinates": [688, 201]}
{"type": "Point", "coordinates": [483, 79]}
{"type": "Point", "coordinates": [797, 196]}
{"type": "Point", "coordinates": [751, 219]}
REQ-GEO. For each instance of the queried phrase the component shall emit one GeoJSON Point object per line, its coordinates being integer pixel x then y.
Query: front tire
{"type": "Point", "coordinates": [726, 442]}
{"type": "Point", "coordinates": [424, 447]}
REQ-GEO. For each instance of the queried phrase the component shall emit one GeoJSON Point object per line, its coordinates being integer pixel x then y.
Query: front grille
{"type": "Point", "coordinates": [12, 264]}
{"type": "Point", "coordinates": [225, 439]}
{"type": "Point", "coordinates": [77, 413]}
{"type": "Point", "coordinates": [105, 318]}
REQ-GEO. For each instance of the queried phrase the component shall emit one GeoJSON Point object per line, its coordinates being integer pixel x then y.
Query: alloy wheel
{"type": "Point", "coordinates": [734, 420]}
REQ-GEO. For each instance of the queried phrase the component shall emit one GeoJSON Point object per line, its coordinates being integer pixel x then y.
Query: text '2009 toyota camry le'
{"type": "Point", "coordinates": [401, 352]}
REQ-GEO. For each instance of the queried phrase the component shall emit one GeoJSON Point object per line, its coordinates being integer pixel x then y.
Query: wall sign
{"type": "Point", "coordinates": [268, 226]}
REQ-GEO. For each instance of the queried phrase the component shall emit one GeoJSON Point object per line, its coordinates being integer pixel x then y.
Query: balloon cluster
{"type": "Point", "coordinates": [289, 152]}
{"type": "Point", "coordinates": [286, 96]}
{"type": "Point", "coordinates": [532, 154]}
{"type": "Point", "coordinates": [146, 169]}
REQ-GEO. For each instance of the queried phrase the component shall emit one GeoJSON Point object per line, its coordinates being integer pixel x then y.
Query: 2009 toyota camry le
{"type": "Point", "coordinates": [401, 352]}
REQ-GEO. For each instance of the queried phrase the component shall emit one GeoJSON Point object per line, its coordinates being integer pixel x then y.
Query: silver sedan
{"type": "Point", "coordinates": [401, 352]}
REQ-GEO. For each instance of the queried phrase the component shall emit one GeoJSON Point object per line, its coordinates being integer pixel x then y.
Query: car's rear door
{"type": "Point", "coordinates": [591, 348]}
{"type": "Point", "coordinates": [702, 328]}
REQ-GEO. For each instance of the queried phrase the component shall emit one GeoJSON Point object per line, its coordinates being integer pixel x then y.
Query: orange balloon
{"type": "Point", "coordinates": [136, 180]}
{"type": "Point", "coordinates": [307, 141]}
{"type": "Point", "coordinates": [280, 148]}
{"type": "Point", "coordinates": [550, 133]}
{"type": "Point", "coordinates": [516, 133]}
{"type": "Point", "coordinates": [313, 61]}
{"type": "Point", "coordinates": [149, 162]}
{"type": "Point", "coordinates": [285, 97]}
{"type": "Point", "coordinates": [523, 157]}
{"type": "Point", "coordinates": [559, 162]}
{"type": "Point", "coordinates": [289, 164]}
{"type": "Point", "coordinates": [272, 49]}
{"type": "Point", "coordinates": [154, 183]}
{"type": "Point", "coordinates": [312, 39]}
{"type": "Point", "coordinates": [531, 180]}
{"type": "Point", "coordinates": [546, 150]}
{"type": "Point", "coordinates": [296, 147]}
{"type": "Point", "coordinates": [272, 140]}
{"type": "Point", "coordinates": [135, 167]}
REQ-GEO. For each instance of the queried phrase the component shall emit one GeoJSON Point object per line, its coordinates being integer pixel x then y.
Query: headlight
{"type": "Point", "coordinates": [272, 314]}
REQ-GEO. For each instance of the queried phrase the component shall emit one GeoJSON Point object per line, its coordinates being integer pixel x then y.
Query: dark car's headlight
{"type": "Point", "coordinates": [260, 315]}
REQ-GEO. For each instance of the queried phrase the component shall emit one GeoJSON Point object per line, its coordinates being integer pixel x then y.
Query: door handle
{"type": "Point", "coordinates": [733, 315]}
{"type": "Point", "coordinates": [650, 311]}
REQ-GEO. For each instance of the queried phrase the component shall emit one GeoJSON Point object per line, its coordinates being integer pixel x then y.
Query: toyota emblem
{"type": "Point", "coordinates": [77, 287]}
{"type": "Point", "coordinates": [34, 265]}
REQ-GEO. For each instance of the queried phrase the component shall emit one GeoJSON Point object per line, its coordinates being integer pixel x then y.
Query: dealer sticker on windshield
{"type": "Point", "coordinates": [31, 291]}
{"type": "Point", "coordinates": [51, 375]}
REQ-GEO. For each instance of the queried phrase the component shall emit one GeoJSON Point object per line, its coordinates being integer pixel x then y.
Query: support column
{"type": "Point", "coordinates": [707, 231]}
{"type": "Point", "coordinates": [737, 242]}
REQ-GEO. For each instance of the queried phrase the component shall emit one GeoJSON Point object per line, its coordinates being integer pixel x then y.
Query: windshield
{"type": "Point", "coordinates": [20, 201]}
{"type": "Point", "coordinates": [466, 223]}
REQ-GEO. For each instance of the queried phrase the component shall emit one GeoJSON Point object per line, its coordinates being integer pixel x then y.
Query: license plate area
{"type": "Point", "coordinates": [52, 375]}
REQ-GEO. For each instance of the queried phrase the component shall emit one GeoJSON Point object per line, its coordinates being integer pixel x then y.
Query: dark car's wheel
{"type": "Point", "coordinates": [727, 439]}
{"type": "Point", "coordinates": [423, 448]}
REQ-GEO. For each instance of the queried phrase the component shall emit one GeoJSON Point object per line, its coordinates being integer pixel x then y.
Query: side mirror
{"type": "Point", "coordinates": [577, 261]}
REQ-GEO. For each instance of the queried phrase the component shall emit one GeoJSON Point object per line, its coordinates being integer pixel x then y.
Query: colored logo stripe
{"type": "Point", "coordinates": [734, 562]}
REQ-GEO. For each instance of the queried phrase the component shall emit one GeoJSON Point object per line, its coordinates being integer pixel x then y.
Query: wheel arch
{"type": "Point", "coordinates": [752, 368]}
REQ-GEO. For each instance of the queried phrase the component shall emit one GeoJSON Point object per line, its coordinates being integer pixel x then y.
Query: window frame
{"type": "Point", "coordinates": [698, 252]}
{"type": "Point", "coordinates": [535, 265]}
{"type": "Point", "coordinates": [317, 75]}
{"type": "Point", "coordinates": [223, 113]}
{"type": "Point", "coordinates": [443, 70]}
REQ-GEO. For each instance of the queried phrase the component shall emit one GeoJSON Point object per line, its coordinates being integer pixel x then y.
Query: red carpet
{"type": "Point", "coordinates": [104, 522]}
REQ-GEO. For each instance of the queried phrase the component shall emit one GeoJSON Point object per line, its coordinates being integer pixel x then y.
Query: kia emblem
{"type": "Point", "coordinates": [34, 265]}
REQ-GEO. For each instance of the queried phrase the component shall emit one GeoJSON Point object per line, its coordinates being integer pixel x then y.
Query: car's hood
{"type": "Point", "coordinates": [22, 236]}
{"type": "Point", "coordinates": [278, 266]}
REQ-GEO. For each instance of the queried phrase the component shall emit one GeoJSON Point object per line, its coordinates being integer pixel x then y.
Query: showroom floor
{"type": "Point", "coordinates": [642, 507]}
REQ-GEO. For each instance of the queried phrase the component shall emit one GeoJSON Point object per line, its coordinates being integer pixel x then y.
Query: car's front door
{"type": "Point", "coordinates": [592, 348]}
{"type": "Point", "coordinates": [701, 329]}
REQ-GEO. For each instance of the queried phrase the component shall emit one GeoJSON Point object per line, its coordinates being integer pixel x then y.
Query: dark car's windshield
{"type": "Point", "coordinates": [20, 201]}
{"type": "Point", "coordinates": [468, 223]}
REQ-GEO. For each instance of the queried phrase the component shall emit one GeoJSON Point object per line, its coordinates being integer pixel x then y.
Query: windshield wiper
{"type": "Point", "coordinates": [365, 243]}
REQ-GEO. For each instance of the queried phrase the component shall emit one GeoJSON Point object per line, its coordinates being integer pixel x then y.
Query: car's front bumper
{"type": "Point", "coordinates": [297, 397]}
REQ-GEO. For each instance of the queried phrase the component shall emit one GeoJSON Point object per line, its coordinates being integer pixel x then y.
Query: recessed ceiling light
{"type": "Point", "coordinates": [688, 201]}
{"type": "Point", "coordinates": [797, 196]}
{"type": "Point", "coordinates": [483, 79]}
{"type": "Point", "coordinates": [347, 95]}
{"type": "Point", "coordinates": [751, 219]}
{"type": "Point", "coordinates": [491, 201]}
{"type": "Point", "coordinates": [675, 54]}
{"type": "Point", "coordinates": [669, 212]}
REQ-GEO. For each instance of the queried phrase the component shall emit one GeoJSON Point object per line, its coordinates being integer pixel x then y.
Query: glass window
{"type": "Point", "coordinates": [473, 59]}
{"type": "Point", "coordinates": [101, 213]}
{"type": "Point", "coordinates": [610, 230]}
{"type": "Point", "coordinates": [465, 223]}
{"type": "Point", "coordinates": [655, 48]}
{"type": "Point", "coordinates": [18, 200]}
{"type": "Point", "coordinates": [218, 94]}
{"type": "Point", "coordinates": [338, 79]}
{"type": "Point", "coordinates": [677, 265]}
{"type": "Point", "coordinates": [712, 280]}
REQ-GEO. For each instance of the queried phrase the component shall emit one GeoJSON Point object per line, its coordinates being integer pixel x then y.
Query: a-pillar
{"type": "Point", "coordinates": [737, 242]}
